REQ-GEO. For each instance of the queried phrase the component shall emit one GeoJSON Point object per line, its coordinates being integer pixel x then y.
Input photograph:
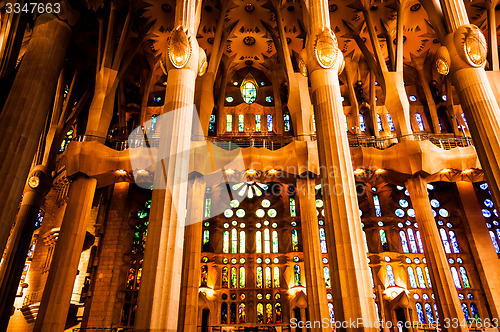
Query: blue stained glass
{"type": "Point", "coordinates": [495, 243]}
{"type": "Point", "coordinates": [488, 203]}
{"type": "Point", "coordinates": [400, 213]}
{"type": "Point", "coordinates": [486, 213]}
{"type": "Point", "coordinates": [326, 272]}
{"type": "Point", "coordinates": [420, 312]}
{"type": "Point", "coordinates": [211, 124]}
{"type": "Point", "coordinates": [257, 123]}
{"type": "Point", "coordinates": [376, 202]}
{"type": "Point", "coordinates": [295, 240]}
{"type": "Point", "coordinates": [322, 239]}
{"type": "Point", "coordinates": [420, 122]}
{"type": "Point", "coordinates": [379, 123]}
{"type": "Point", "coordinates": [383, 240]}
{"type": "Point", "coordinates": [403, 203]}
{"type": "Point", "coordinates": [413, 243]}
{"type": "Point", "coordinates": [428, 276]}
{"type": "Point", "coordinates": [371, 276]}
{"type": "Point", "coordinates": [362, 125]}
{"type": "Point", "coordinates": [465, 279]}
{"type": "Point", "coordinates": [389, 120]}
{"type": "Point", "coordinates": [466, 311]}
{"type": "Point", "coordinates": [444, 238]}
{"type": "Point", "coordinates": [475, 312]}
{"type": "Point", "coordinates": [390, 275]}
{"type": "Point", "coordinates": [444, 213]}
{"type": "Point", "coordinates": [332, 313]}
{"type": "Point", "coordinates": [428, 311]}
{"type": "Point", "coordinates": [454, 243]}
{"type": "Point", "coordinates": [404, 242]}
{"type": "Point", "coordinates": [456, 279]}
{"type": "Point", "coordinates": [435, 203]}
{"type": "Point", "coordinates": [411, 276]}
{"type": "Point", "coordinates": [296, 270]}
{"type": "Point", "coordinates": [286, 119]}
{"type": "Point", "coordinates": [419, 241]}
{"type": "Point", "coordinates": [411, 213]}
{"type": "Point", "coordinates": [241, 123]}
{"type": "Point", "coordinates": [269, 123]}
{"type": "Point", "coordinates": [420, 276]}
{"type": "Point", "coordinates": [436, 312]}
{"type": "Point", "coordinates": [483, 186]}
{"type": "Point", "coordinates": [465, 120]}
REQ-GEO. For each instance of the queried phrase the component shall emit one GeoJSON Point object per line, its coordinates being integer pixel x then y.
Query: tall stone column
{"type": "Point", "coordinates": [444, 288]}
{"type": "Point", "coordinates": [15, 257]}
{"type": "Point", "coordinates": [317, 302]}
{"type": "Point", "coordinates": [159, 295]}
{"type": "Point", "coordinates": [353, 298]}
{"type": "Point", "coordinates": [474, 90]}
{"type": "Point", "coordinates": [482, 249]}
{"type": "Point", "coordinates": [64, 267]}
{"type": "Point", "coordinates": [23, 117]}
{"type": "Point", "coordinates": [191, 270]}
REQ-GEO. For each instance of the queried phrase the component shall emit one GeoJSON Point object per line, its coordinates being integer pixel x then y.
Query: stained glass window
{"type": "Point", "coordinates": [241, 313]}
{"type": "Point", "coordinates": [411, 276]}
{"type": "Point", "coordinates": [420, 312]}
{"type": "Point", "coordinates": [322, 239]}
{"type": "Point", "coordinates": [419, 241]}
{"type": "Point", "coordinates": [267, 241]}
{"type": "Point", "coordinates": [66, 140]}
{"type": "Point", "coordinates": [371, 276]}
{"type": "Point", "coordinates": [428, 311]}
{"type": "Point", "coordinates": [465, 279]}
{"type": "Point", "coordinates": [223, 313]}
{"type": "Point", "coordinates": [293, 212]}
{"type": "Point", "coordinates": [456, 279]}
{"type": "Point", "coordinates": [362, 125]}
{"type": "Point", "coordinates": [331, 311]}
{"type": "Point", "coordinates": [277, 310]}
{"type": "Point", "coordinates": [211, 124]}
{"type": "Point", "coordinates": [295, 240]}
{"type": "Point", "coordinates": [379, 123]}
{"type": "Point", "coordinates": [225, 277]}
{"type": "Point", "coordinates": [258, 242]}
{"type": "Point", "coordinates": [276, 275]}
{"type": "Point", "coordinates": [269, 313]}
{"type": "Point", "coordinates": [376, 202]}
{"type": "Point", "coordinates": [206, 236]}
{"type": "Point", "coordinates": [465, 310]}
{"type": "Point", "coordinates": [314, 122]}
{"type": "Point", "coordinates": [383, 240]}
{"type": "Point", "coordinates": [259, 277]}
{"type": "Point", "coordinates": [260, 313]}
{"type": "Point", "coordinates": [275, 242]}
{"type": "Point", "coordinates": [267, 277]}
{"type": "Point", "coordinates": [229, 123]}
{"type": "Point", "coordinates": [234, 241]}
{"type": "Point", "coordinates": [495, 243]}
{"type": "Point", "coordinates": [225, 242]}
{"type": "Point", "coordinates": [258, 126]}
{"type": "Point", "coordinates": [475, 312]}
{"type": "Point", "coordinates": [428, 276]}
{"type": "Point", "coordinates": [249, 92]}
{"type": "Point", "coordinates": [366, 242]}
{"type": "Point", "coordinates": [241, 123]}
{"type": "Point", "coordinates": [444, 238]}
{"type": "Point", "coordinates": [420, 121]}
{"type": "Point", "coordinates": [326, 272]}
{"type": "Point", "coordinates": [296, 270]}
{"type": "Point", "coordinates": [389, 120]}
{"type": "Point", "coordinates": [404, 242]}
{"type": "Point", "coordinates": [286, 122]}
{"type": "Point", "coordinates": [390, 275]}
{"type": "Point", "coordinates": [242, 277]}
{"type": "Point", "coordinates": [242, 242]}
{"type": "Point", "coordinates": [208, 207]}
{"type": "Point", "coordinates": [234, 278]}
{"type": "Point", "coordinates": [413, 243]}
{"type": "Point", "coordinates": [232, 313]}
{"type": "Point", "coordinates": [269, 123]}
{"type": "Point", "coordinates": [465, 120]}
{"type": "Point", "coordinates": [204, 275]}
{"type": "Point", "coordinates": [420, 276]}
{"type": "Point", "coordinates": [454, 243]}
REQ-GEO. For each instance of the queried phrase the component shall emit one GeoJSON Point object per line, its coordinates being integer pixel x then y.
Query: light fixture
{"type": "Point", "coordinates": [379, 171]}
{"type": "Point", "coordinates": [179, 48]}
{"type": "Point", "coordinates": [446, 170]}
{"type": "Point", "coordinates": [326, 48]}
{"type": "Point", "coordinates": [235, 83]}
{"type": "Point", "coordinates": [121, 172]}
{"type": "Point", "coordinates": [272, 171]}
{"type": "Point", "coordinates": [475, 46]}
{"type": "Point", "coordinates": [229, 171]}
{"type": "Point", "coordinates": [34, 182]}
{"type": "Point", "coordinates": [251, 172]}
{"type": "Point", "coordinates": [142, 172]}
{"type": "Point", "coordinates": [442, 61]}
{"type": "Point", "coordinates": [467, 171]}
{"type": "Point", "coordinates": [358, 171]}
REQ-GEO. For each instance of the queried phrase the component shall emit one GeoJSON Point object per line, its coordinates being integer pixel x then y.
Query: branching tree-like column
{"type": "Point", "coordinates": [23, 117]}
{"type": "Point", "coordinates": [448, 303]}
{"type": "Point", "coordinates": [353, 297]}
{"type": "Point", "coordinates": [159, 295]}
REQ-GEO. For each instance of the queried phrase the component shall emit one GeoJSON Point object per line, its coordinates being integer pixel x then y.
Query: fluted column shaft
{"type": "Point", "coordinates": [485, 256]}
{"type": "Point", "coordinates": [64, 267]}
{"type": "Point", "coordinates": [444, 288]}
{"type": "Point", "coordinates": [317, 302]}
{"type": "Point", "coordinates": [23, 117]}
{"type": "Point", "coordinates": [191, 270]}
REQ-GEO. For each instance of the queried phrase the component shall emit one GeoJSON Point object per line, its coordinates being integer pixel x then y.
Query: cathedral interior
{"type": "Point", "coordinates": [249, 165]}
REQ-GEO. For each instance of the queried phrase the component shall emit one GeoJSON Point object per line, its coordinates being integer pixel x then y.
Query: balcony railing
{"type": "Point", "coordinates": [256, 328]}
{"type": "Point", "coordinates": [445, 142]}
{"type": "Point", "coordinates": [103, 329]}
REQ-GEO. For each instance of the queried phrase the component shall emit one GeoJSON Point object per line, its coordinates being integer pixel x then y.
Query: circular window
{"type": "Point", "coordinates": [240, 213]}
{"type": "Point", "coordinates": [228, 213]}
{"type": "Point", "coordinates": [266, 203]}
{"type": "Point", "coordinates": [272, 213]}
{"type": "Point", "coordinates": [443, 213]}
{"type": "Point", "coordinates": [234, 203]}
{"type": "Point", "coordinates": [260, 213]}
{"type": "Point", "coordinates": [249, 92]}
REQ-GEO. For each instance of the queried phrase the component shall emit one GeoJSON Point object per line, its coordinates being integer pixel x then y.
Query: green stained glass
{"type": "Point", "coordinates": [296, 273]}
{"type": "Point", "coordinates": [234, 241]}
{"type": "Point", "coordinates": [142, 214]}
{"type": "Point", "coordinates": [229, 123]}
{"type": "Point", "coordinates": [266, 203]}
{"type": "Point", "coordinates": [242, 277]}
{"type": "Point", "coordinates": [228, 213]}
{"type": "Point", "coordinates": [148, 204]}
{"type": "Point", "coordinates": [234, 203]}
{"type": "Point", "coordinates": [259, 277]}
{"type": "Point", "coordinates": [258, 127]}
{"type": "Point", "coordinates": [295, 240]}
{"type": "Point", "coordinates": [208, 207]}
{"type": "Point", "coordinates": [258, 192]}
{"type": "Point", "coordinates": [314, 123]}
{"type": "Point", "coordinates": [275, 241]}
{"type": "Point", "coordinates": [428, 276]}
{"type": "Point", "coordinates": [258, 242]}
{"type": "Point", "coordinates": [225, 242]}
{"type": "Point", "coordinates": [238, 186]}
{"type": "Point", "coordinates": [293, 212]}
{"type": "Point", "coordinates": [206, 236]}
{"type": "Point", "coordinates": [465, 279]}
{"type": "Point", "coordinates": [260, 313]}
{"type": "Point", "coordinates": [249, 92]}
{"type": "Point", "coordinates": [234, 278]}
{"type": "Point", "coordinates": [268, 281]}
{"type": "Point", "coordinates": [241, 123]}
{"type": "Point", "coordinates": [206, 224]}
{"type": "Point", "coordinates": [286, 120]}
{"type": "Point", "coordinates": [326, 272]}
{"type": "Point", "coordinates": [272, 213]}
{"type": "Point", "coordinates": [319, 203]}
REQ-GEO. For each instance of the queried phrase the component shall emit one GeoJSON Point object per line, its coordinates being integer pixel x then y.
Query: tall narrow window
{"type": "Point", "coordinates": [277, 310]}
{"type": "Point", "coordinates": [404, 242]}
{"type": "Point", "coordinates": [267, 277]}
{"type": "Point", "coordinates": [295, 240]}
{"type": "Point", "coordinates": [234, 241]}
{"type": "Point", "coordinates": [454, 243]}
{"type": "Point", "coordinates": [390, 275]}
{"type": "Point", "coordinates": [296, 271]}
{"type": "Point", "coordinates": [293, 212]}
{"type": "Point", "coordinates": [331, 311]}
{"type": "Point", "coordinates": [211, 124]}
{"type": "Point", "coordinates": [241, 313]}
{"type": "Point", "coordinates": [475, 312]}
{"type": "Point", "coordinates": [379, 123]}
{"type": "Point", "coordinates": [376, 202]}
{"type": "Point", "coordinates": [420, 122]}
{"type": "Point", "coordinates": [208, 207]}
{"type": "Point", "coordinates": [269, 123]}
{"type": "Point", "coordinates": [420, 312]}
{"type": "Point", "coordinates": [389, 120]}
{"type": "Point", "coordinates": [258, 242]}
{"type": "Point", "coordinates": [366, 242]}
{"type": "Point", "coordinates": [275, 242]}
{"type": "Point", "coordinates": [223, 313]}
{"type": "Point", "coordinates": [229, 123]}
{"type": "Point", "coordinates": [419, 241]}
{"type": "Point", "coordinates": [242, 242]}
{"type": "Point", "coordinates": [456, 279]}
{"type": "Point", "coordinates": [241, 123]}
{"type": "Point", "coordinates": [444, 238]}
{"type": "Point", "coordinates": [371, 276]}
{"type": "Point", "coordinates": [428, 311]}
{"type": "Point", "coordinates": [232, 313]}
{"type": "Point", "coordinates": [420, 276]}
{"type": "Point", "coordinates": [276, 277]}
{"type": "Point", "coordinates": [286, 122]}
{"type": "Point", "coordinates": [411, 276]}
{"type": "Point", "coordinates": [495, 243]}
{"type": "Point", "coordinates": [234, 278]}
{"type": "Point", "coordinates": [260, 313]}
{"type": "Point", "coordinates": [204, 275]}
{"type": "Point", "coordinates": [225, 277]}
{"type": "Point", "coordinates": [322, 239]}
{"type": "Point", "coordinates": [362, 125]}
{"type": "Point", "coordinates": [269, 313]}
{"type": "Point", "coordinates": [242, 277]}
{"type": "Point", "coordinates": [267, 241]}
{"type": "Point", "coordinates": [465, 279]}
{"type": "Point", "coordinates": [465, 310]}
{"type": "Point", "coordinates": [465, 120]}
{"type": "Point", "coordinates": [314, 122]}
{"type": "Point", "coordinates": [206, 237]}
{"type": "Point", "coordinates": [326, 273]}
{"type": "Point", "coordinates": [413, 243]}
{"type": "Point", "coordinates": [436, 312]}
{"type": "Point", "coordinates": [258, 126]}
{"type": "Point", "coordinates": [428, 276]}
{"type": "Point", "coordinates": [383, 240]}
{"type": "Point", "coordinates": [225, 242]}
{"type": "Point", "coordinates": [259, 277]}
